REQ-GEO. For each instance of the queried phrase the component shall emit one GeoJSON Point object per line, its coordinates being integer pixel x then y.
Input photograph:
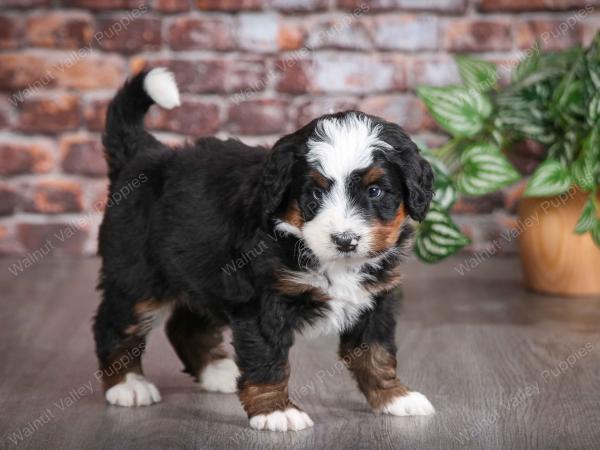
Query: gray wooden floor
{"type": "Point", "coordinates": [504, 368]}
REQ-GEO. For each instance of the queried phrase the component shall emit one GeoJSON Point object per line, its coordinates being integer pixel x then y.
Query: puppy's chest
{"type": "Point", "coordinates": [343, 294]}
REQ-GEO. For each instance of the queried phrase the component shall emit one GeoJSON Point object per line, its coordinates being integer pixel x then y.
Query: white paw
{"type": "Point", "coordinates": [411, 404]}
{"type": "Point", "coordinates": [135, 390]}
{"type": "Point", "coordinates": [220, 376]}
{"type": "Point", "coordinates": [289, 420]}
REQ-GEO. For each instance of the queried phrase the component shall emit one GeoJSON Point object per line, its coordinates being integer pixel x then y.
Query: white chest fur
{"type": "Point", "coordinates": [347, 297]}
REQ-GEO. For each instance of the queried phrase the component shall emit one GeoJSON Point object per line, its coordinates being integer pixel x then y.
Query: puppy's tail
{"type": "Point", "coordinates": [124, 134]}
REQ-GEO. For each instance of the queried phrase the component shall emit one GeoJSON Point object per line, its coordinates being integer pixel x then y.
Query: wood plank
{"type": "Point", "coordinates": [505, 369]}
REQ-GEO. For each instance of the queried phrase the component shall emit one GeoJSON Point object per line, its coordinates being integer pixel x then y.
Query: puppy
{"type": "Point", "coordinates": [305, 237]}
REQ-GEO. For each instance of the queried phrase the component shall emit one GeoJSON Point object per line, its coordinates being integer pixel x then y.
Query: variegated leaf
{"type": "Point", "coordinates": [438, 236]}
{"type": "Point", "coordinates": [459, 111]}
{"type": "Point", "coordinates": [550, 178]}
{"type": "Point", "coordinates": [485, 169]}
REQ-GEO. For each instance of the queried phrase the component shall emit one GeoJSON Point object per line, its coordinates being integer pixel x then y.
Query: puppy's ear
{"type": "Point", "coordinates": [277, 176]}
{"type": "Point", "coordinates": [415, 171]}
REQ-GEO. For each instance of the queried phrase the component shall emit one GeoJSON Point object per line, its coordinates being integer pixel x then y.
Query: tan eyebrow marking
{"type": "Point", "coordinates": [372, 175]}
{"type": "Point", "coordinates": [319, 179]}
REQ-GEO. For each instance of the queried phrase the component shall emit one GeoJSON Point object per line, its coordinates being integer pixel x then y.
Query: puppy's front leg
{"type": "Point", "coordinates": [369, 351]}
{"type": "Point", "coordinates": [262, 346]}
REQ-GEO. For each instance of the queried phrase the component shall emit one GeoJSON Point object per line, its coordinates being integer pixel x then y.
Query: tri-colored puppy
{"type": "Point", "coordinates": [305, 237]}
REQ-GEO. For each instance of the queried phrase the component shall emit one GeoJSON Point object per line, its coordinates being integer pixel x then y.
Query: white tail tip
{"type": "Point", "coordinates": [160, 85]}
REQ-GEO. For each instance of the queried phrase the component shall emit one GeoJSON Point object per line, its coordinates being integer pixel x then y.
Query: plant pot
{"type": "Point", "coordinates": [555, 259]}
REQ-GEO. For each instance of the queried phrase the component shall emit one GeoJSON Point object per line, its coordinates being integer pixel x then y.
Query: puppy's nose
{"type": "Point", "coordinates": [345, 242]}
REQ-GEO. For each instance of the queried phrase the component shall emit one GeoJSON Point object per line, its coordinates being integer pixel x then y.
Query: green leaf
{"type": "Point", "coordinates": [586, 168]}
{"type": "Point", "coordinates": [459, 111]}
{"type": "Point", "coordinates": [588, 218]}
{"type": "Point", "coordinates": [476, 73]}
{"type": "Point", "coordinates": [596, 233]}
{"type": "Point", "coordinates": [550, 178]}
{"type": "Point", "coordinates": [445, 193]}
{"type": "Point", "coordinates": [526, 67]}
{"type": "Point", "coordinates": [438, 236]}
{"type": "Point", "coordinates": [593, 113]}
{"type": "Point", "coordinates": [485, 169]}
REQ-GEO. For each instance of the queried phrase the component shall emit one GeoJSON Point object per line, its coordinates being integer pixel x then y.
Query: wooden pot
{"type": "Point", "coordinates": [555, 259]}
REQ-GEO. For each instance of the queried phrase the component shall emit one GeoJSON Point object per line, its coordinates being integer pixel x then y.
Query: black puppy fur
{"type": "Point", "coordinates": [174, 240]}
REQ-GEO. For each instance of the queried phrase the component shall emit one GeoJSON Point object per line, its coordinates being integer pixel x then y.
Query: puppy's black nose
{"type": "Point", "coordinates": [345, 242]}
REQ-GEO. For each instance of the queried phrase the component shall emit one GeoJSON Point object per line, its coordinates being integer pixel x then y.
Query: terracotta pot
{"type": "Point", "coordinates": [555, 259]}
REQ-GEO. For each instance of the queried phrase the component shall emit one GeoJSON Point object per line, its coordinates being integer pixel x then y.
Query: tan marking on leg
{"type": "Point", "coordinates": [265, 398]}
{"type": "Point", "coordinates": [374, 369]}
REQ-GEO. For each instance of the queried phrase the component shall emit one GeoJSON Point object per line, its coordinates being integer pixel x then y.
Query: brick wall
{"type": "Point", "coordinates": [249, 68]}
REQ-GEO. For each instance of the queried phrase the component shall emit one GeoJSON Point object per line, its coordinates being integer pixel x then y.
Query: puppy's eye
{"type": "Point", "coordinates": [318, 194]}
{"type": "Point", "coordinates": [375, 191]}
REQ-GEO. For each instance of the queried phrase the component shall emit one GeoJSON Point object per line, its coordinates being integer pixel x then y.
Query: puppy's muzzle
{"type": "Point", "coordinates": [345, 242]}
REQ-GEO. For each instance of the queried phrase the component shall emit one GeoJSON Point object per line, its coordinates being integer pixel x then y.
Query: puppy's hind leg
{"type": "Point", "coordinates": [120, 329]}
{"type": "Point", "coordinates": [197, 337]}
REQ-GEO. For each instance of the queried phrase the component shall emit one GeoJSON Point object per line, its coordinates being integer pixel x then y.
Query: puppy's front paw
{"type": "Point", "coordinates": [220, 376]}
{"type": "Point", "coordinates": [411, 404]}
{"type": "Point", "coordinates": [134, 390]}
{"type": "Point", "coordinates": [291, 419]}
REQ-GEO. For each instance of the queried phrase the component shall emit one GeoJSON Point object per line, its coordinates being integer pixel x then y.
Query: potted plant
{"type": "Point", "coordinates": [554, 100]}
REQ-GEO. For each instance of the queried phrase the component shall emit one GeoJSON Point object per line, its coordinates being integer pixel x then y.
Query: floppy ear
{"type": "Point", "coordinates": [416, 172]}
{"type": "Point", "coordinates": [277, 176]}
{"type": "Point", "coordinates": [419, 185]}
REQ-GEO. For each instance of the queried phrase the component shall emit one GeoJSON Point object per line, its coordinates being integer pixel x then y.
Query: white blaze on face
{"type": "Point", "coordinates": [341, 146]}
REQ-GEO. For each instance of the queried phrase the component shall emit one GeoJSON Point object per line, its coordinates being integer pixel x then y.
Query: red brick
{"type": "Point", "coordinates": [432, 71]}
{"type": "Point", "coordinates": [64, 237]}
{"type": "Point", "coordinates": [590, 29]}
{"type": "Point", "coordinates": [474, 35]}
{"type": "Point", "coordinates": [527, 155]}
{"type": "Point", "coordinates": [82, 154]}
{"type": "Point", "coordinates": [406, 32]}
{"type": "Point", "coordinates": [24, 3]}
{"type": "Point", "coordinates": [60, 30]}
{"type": "Point", "coordinates": [549, 34]}
{"type": "Point", "coordinates": [258, 33]}
{"type": "Point", "coordinates": [533, 5]}
{"type": "Point", "coordinates": [51, 114]}
{"type": "Point", "coordinates": [406, 110]}
{"type": "Point", "coordinates": [25, 156]}
{"type": "Point", "coordinates": [94, 71]}
{"type": "Point", "coordinates": [513, 194]}
{"type": "Point", "coordinates": [8, 199]}
{"type": "Point", "coordinates": [343, 32]}
{"type": "Point", "coordinates": [485, 204]}
{"type": "Point", "coordinates": [98, 194]}
{"type": "Point", "coordinates": [119, 34]}
{"type": "Point", "coordinates": [53, 197]}
{"type": "Point", "coordinates": [313, 108]}
{"type": "Point", "coordinates": [448, 6]}
{"type": "Point", "coordinates": [21, 70]}
{"type": "Point", "coordinates": [29, 73]}
{"type": "Point", "coordinates": [290, 35]}
{"type": "Point", "coordinates": [94, 113]}
{"type": "Point", "coordinates": [171, 6]}
{"type": "Point", "coordinates": [211, 33]}
{"type": "Point", "coordinates": [193, 118]}
{"type": "Point", "coordinates": [11, 30]}
{"type": "Point", "coordinates": [216, 75]}
{"type": "Point", "coordinates": [354, 74]}
{"type": "Point", "coordinates": [5, 112]}
{"type": "Point", "coordinates": [230, 5]}
{"type": "Point", "coordinates": [298, 5]}
{"type": "Point", "coordinates": [294, 74]}
{"type": "Point", "coordinates": [109, 4]}
{"type": "Point", "coordinates": [258, 117]}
